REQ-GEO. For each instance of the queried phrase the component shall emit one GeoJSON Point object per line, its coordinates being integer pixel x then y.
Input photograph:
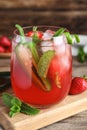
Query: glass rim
{"type": "Point", "coordinates": [38, 26]}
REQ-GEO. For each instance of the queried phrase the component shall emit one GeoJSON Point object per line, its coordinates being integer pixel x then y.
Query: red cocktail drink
{"type": "Point", "coordinates": [41, 66]}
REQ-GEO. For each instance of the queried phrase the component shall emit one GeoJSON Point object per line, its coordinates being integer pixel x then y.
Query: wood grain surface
{"type": "Point", "coordinates": [68, 13]}
{"type": "Point", "coordinates": [43, 4]}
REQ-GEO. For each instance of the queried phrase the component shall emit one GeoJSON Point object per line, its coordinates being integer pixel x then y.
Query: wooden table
{"type": "Point", "coordinates": [75, 122]}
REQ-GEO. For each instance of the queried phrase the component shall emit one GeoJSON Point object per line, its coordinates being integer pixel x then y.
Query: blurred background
{"type": "Point", "coordinates": [71, 14]}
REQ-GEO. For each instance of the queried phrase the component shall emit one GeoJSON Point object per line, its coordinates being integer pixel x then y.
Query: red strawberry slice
{"type": "Point", "coordinates": [78, 85]}
{"type": "Point", "coordinates": [38, 33]}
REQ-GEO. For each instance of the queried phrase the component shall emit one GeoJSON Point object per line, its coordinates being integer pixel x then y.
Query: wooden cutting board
{"type": "Point", "coordinates": [68, 107]}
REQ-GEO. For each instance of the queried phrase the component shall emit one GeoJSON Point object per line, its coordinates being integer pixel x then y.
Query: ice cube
{"type": "Point", "coordinates": [19, 38]}
{"type": "Point", "coordinates": [48, 34]}
{"type": "Point", "coordinates": [60, 44]}
{"type": "Point", "coordinates": [59, 40]}
{"type": "Point", "coordinates": [46, 45]}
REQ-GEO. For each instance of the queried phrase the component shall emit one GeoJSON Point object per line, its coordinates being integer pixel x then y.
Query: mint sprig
{"type": "Point", "coordinates": [77, 38]}
{"type": "Point", "coordinates": [59, 32]}
{"type": "Point", "coordinates": [33, 49]}
{"type": "Point", "coordinates": [81, 55]}
{"type": "Point", "coordinates": [35, 58]}
{"type": "Point", "coordinates": [70, 38]}
{"type": "Point", "coordinates": [31, 45]}
{"type": "Point", "coordinates": [35, 37]}
{"type": "Point", "coordinates": [21, 31]}
{"type": "Point", "coordinates": [26, 109]}
{"type": "Point", "coordinates": [17, 106]}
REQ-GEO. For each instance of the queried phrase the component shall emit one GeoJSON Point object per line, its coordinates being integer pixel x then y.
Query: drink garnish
{"type": "Point", "coordinates": [77, 38]}
{"type": "Point", "coordinates": [17, 106]}
{"type": "Point", "coordinates": [36, 35]}
{"type": "Point", "coordinates": [24, 57]}
{"type": "Point", "coordinates": [41, 82]}
{"type": "Point", "coordinates": [32, 47]}
{"type": "Point", "coordinates": [21, 32]}
{"type": "Point", "coordinates": [44, 63]}
{"type": "Point", "coordinates": [35, 60]}
{"type": "Point", "coordinates": [70, 38]}
{"type": "Point", "coordinates": [59, 32]}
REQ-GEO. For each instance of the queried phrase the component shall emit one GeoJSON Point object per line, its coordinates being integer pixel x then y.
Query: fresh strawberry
{"type": "Point", "coordinates": [78, 85]}
{"type": "Point", "coordinates": [2, 49]}
{"type": "Point", "coordinates": [4, 41]}
{"type": "Point", "coordinates": [8, 49]}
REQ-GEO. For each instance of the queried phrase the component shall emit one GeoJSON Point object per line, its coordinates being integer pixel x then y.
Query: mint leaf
{"type": "Point", "coordinates": [44, 63]}
{"type": "Point", "coordinates": [59, 32]}
{"type": "Point", "coordinates": [16, 101]}
{"type": "Point", "coordinates": [21, 31]}
{"type": "Point", "coordinates": [81, 55]}
{"type": "Point", "coordinates": [14, 110]}
{"type": "Point", "coordinates": [7, 99]}
{"type": "Point", "coordinates": [26, 109]}
{"type": "Point", "coordinates": [69, 37]}
{"type": "Point", "coordinates": [11, 114]}
{"type": "Point", "coordinates": [33, 49]}
{"type": "Point", "coordinates": [35, 37]}
{"type": "Point", "coordinates": [30, 44]}
{"type": "Point", "coordinates": [16, 105]}
{"type": "Point", "coordinates": [77, 38]}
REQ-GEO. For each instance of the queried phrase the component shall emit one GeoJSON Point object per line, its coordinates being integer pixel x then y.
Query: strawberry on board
{"type": "Point", "coordinates": [4, 41]}
{"type": "Point", "coordinates": [78, 85]}
{"type": "Point", "coordinates": [2, 49]}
